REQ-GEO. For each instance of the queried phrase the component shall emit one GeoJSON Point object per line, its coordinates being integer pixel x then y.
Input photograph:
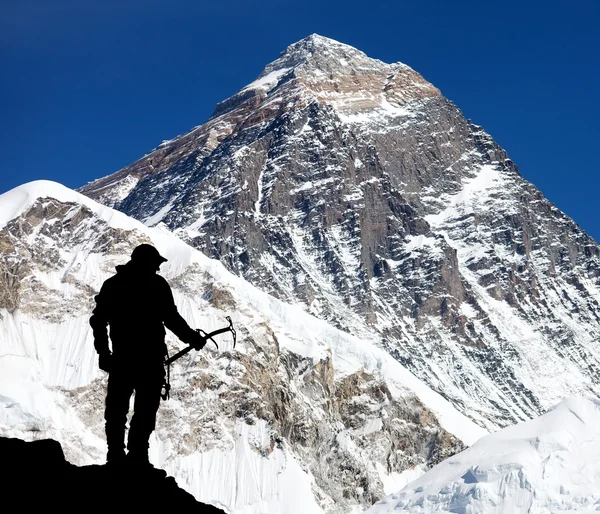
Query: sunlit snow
{"type": "Point", "coordinates": [549, 465]}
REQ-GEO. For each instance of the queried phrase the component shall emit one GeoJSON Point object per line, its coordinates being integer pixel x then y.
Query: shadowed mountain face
{"type": "Point", "coordinates": [38, 477]}
{"type": "Point", "coordinates": [354, 188]}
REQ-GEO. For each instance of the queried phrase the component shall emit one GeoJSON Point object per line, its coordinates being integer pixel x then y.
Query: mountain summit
{"type": "Point", "coordinates": [353, 188]}
{"type": "Point", "coordinates": [315, 70]}
{"type": "Point", "coordinates": [321, 69]}
{"type": "Point", "coordinates": [315, 49]}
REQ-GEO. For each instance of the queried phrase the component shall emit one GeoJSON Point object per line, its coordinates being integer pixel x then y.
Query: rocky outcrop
{"type": "Point", "coordinates": [331, 424]}
{"type": "Point", "coordinates": [38, 477]}
{"type": "Point", "coordinates": [37, 242]}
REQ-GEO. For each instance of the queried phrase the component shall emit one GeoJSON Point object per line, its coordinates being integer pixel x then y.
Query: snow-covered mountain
{"type": "Point", "coordinates": [398, 288]}
{"type": "Point", "coordinates": [354, 189]}
{"type": "Point", "coordinates": [300, 417]}
{"type": "Point", "coordinates": [547, 465]}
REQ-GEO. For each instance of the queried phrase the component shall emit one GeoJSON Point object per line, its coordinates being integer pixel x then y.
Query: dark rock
{"type": "Point", "coordinates": [36, 476]}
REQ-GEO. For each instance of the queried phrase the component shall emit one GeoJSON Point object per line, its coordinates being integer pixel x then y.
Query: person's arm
{"type": "Point", "coordinates": [175, 322]}
{"type": "Point", "coordinates": [99, 323]}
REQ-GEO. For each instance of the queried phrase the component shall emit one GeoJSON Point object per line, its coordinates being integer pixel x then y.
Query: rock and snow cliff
{"type": "Point", "coordinates": [300, 417]}
{"type": "Point", "coordinates": [353, 188]}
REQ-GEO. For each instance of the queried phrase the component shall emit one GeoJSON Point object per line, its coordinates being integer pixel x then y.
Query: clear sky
{"type": "Point", "coordinates": [89, 86]}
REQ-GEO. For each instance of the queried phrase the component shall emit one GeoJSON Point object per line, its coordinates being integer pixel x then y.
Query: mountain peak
{"type": "Point", "coordinates": [321, 69]}
{"type": "Point", "coordinates": [321, 53]}
{"type": "Point", "coordinates": [317, 43]}
{"type": "Point", "coordinates": [313, 45]}
{"type": "Point", "coordinates": [313, 70]}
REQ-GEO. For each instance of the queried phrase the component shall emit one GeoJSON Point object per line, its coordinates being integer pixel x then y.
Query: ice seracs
{"type": "Point", "coordinates": [549, 464]}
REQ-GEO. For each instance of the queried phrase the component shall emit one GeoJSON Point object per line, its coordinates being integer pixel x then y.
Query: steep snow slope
{"type": "Point", "coordinates": [548, 465]}
{"type": "Point", "coordinates": [300, 417]}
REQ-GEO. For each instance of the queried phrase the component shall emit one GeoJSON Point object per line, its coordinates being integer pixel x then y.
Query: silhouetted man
{"type": "Point", "coordinates": [136, 304]}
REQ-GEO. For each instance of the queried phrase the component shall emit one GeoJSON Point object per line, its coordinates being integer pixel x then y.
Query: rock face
{"type": "Point", "coordinates": [299, 414]}
{"type": "Point", "coordinates": [354, 188]}
{"type": "Point", "coordinates": [29, 245]}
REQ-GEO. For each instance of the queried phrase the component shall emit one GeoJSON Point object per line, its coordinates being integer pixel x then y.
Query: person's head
{"type": "Point", "coordinates": [146, 257]}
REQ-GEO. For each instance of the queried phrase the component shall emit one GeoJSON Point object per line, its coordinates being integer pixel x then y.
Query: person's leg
{"type": "Point", "coordinates": [119, 391]}
{"type": "Point", "coordinates": [148, 387]}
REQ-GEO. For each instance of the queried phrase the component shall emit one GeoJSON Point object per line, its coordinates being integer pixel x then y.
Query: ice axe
{"type": "Point", "coordinates": [207, 337]}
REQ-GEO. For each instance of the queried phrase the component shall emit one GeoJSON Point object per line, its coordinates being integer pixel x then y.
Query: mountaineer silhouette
{"type": "Point", "coordinates": [137, 304]}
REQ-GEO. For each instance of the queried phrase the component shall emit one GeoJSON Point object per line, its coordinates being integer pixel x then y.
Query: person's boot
{"type": "Point", "coordinates": [139, 461]}
{"type": "Point", "coordinates": [115, 440]}
{"type": "Point", "coordinates": [115, 457]}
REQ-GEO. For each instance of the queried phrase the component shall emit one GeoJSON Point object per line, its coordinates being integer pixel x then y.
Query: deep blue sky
{"type": "Point", "coordinates": [89, 86]}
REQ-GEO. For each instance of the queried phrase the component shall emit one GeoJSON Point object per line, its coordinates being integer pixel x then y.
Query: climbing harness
{"type": "Point", "coordinates": [166, 388]}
